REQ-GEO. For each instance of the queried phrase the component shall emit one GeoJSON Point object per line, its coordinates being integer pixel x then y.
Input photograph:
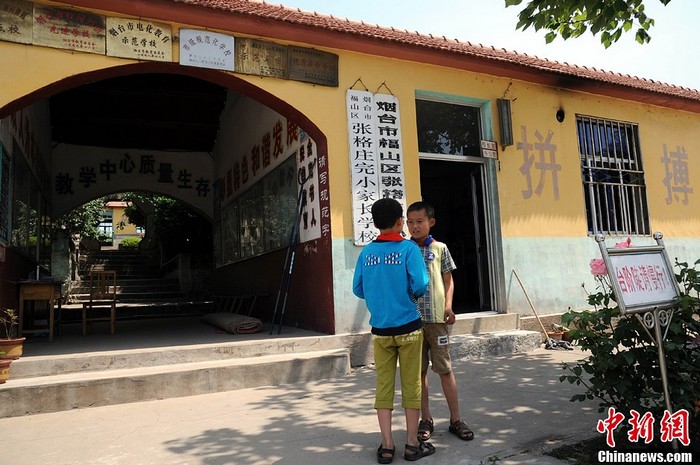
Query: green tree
{"type": "Point", "coordinates": [571, 18]}
{"type": "Point", "coordinates": [83, 220]}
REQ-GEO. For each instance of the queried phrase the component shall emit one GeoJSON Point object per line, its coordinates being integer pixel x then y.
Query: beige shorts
{"type": "Point", "coordinates": [436, 348]}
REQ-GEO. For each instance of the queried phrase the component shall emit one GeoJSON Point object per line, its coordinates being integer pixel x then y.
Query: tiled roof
{"type": "Point", "coordinates": [277, 12]}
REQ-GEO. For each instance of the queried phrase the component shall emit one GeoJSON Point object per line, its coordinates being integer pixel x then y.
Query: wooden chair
{"type": "Point", "coordinates": [103, 294]}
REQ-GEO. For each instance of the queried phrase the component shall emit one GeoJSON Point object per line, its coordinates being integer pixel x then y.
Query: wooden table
{"type": "Point", "coordinates": [49, 291]}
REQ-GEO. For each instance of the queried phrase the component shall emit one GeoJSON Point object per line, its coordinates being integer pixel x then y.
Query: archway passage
{"type": "Point", "coordinates": [113, 123]}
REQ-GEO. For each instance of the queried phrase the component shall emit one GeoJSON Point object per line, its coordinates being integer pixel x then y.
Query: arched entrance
{"type": "Point", "coordinates": [167, 128]}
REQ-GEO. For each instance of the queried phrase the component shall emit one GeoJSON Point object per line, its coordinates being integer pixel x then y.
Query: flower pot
{"type": "Point", "coordinates": [555, 334]}
{"type": "Point", "coordinates": [11, 348]}
{"type": "Point", "coordinates": [4, 369]}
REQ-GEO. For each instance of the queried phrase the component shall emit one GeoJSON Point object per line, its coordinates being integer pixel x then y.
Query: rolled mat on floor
{"type": "Point", "coordinates": [233, 323]}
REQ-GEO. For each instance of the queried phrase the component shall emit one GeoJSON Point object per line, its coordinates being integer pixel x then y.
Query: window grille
{"type": "Point", "coordinates": [613, 176]}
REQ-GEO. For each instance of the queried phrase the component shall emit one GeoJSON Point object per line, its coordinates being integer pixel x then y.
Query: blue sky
{"type": "Point", "coordinates": [670, 57]}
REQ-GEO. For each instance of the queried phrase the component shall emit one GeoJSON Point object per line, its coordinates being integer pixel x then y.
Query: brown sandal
{"type": "Point", "coordinates": [423, 449]}
{"type": "Point", "coordinates": [382, 452]}
{"type": "Point", "coordinates": [425, 429]}
{"type": "Point", "coordinates": [460, 429]}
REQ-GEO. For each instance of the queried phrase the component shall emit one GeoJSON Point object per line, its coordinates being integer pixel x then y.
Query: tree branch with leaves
{"type": "Point", "coordinates": [571, 18]}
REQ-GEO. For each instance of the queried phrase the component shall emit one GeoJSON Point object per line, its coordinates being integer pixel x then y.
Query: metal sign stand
{"type": "Point", "coordinates": [655, 317]}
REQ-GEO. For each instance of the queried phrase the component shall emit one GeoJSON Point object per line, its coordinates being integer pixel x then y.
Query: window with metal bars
{"type": "Point", "coordinates": [613, 176]}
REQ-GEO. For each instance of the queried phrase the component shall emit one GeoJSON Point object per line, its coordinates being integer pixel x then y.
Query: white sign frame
{"type": "Point", "coordinates": [642, 278]}
{"type": "Point", "coordinates": [207, 49]}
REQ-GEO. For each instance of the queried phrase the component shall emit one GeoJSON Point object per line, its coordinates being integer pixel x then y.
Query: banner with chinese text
{"type": "Point", "coordinates": [308, 171]}
{"type": "Point", "coordinates": [376, 158]}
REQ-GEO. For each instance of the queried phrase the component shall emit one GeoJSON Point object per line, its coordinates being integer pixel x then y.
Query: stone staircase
{"type": "Point", "coordinates": [74, 373]}
{"type": "Point", "coordinates": [142, 289]}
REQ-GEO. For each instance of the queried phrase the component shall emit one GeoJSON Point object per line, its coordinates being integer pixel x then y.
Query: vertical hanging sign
{"type": "Point", "coordinates": [363, 164]}
{"type": "Point", "coordinates": [376, 157]}
{"type": "Point", "coordinates": [308, 171]}
{"type": "Point", "coordinates": [389, 148]}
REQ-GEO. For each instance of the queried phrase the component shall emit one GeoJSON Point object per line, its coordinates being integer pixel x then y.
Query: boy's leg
{"type": "Point", "coordinates": [410, 352]}
{"type": "Point", "coordinates": [425, 393]}
{"type": "Point", "coordinates": [425, 397]}
{"type": "Point", "coordinates": [449, 388]}
{"type": "Point", "coordinates": [385, 356]}
{"type": "Point", "coordinates": [384, 418]}
{"type": "Point", "coordinates": [412, 417]}
{"type": "Point", "coordinates": [442, 365]}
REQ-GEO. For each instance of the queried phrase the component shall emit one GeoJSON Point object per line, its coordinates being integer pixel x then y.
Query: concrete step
{"type": "Point", "coordinates": [54, 365]}
{"type": "Point", "coordinates": [103, 370]}
{"type": "Point", "coordinates": [143, 308]}
{"type": "Point", "coordinates": [98, 388]}
{"type": "Point", "coordinates": [155, 295]}
{"type": "Point", "coordinates": [130, 283]}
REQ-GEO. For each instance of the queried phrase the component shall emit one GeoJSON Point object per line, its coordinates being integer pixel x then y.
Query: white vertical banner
{"type": "Point", "coordinates": [308, 169]}
{"type": "Point", "coordinates": [363, 164]}
{"type": "Point", "coordinates": [389, 148]}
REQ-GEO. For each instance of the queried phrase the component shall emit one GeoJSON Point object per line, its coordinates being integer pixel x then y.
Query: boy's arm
{"type": "Point", "coordinates": [449, 292]}
{"type": "Point", "coordinates": [357, 288]}
{"type": "Point", "coordinates": [417, 272]}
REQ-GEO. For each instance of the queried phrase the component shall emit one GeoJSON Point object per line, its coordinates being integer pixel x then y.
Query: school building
{"type": "Point", "coordinates": [257, 115]}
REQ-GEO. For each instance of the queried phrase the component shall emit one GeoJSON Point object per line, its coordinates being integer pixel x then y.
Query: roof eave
{"type": "Point", "coordinates": [442, 54]}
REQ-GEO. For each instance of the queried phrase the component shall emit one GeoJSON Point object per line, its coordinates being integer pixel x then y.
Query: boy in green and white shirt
{"type": "Point", "coordinates": [436, 311]}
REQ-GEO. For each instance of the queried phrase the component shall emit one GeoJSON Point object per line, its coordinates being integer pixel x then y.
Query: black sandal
{"type": "Point", "coordinates": [460, 429]}
{"type": "Point", "coordinates": [381, 452]}
{"type": "Point", "coordinates": [425, 429]}
{"type": "Point", "coordinates": [423, 449]}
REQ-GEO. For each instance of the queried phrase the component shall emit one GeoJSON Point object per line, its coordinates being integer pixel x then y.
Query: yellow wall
{"type": "Point", "coordinates": [33, 67]}
{"type": "Point", "coordinates": [118, 217]}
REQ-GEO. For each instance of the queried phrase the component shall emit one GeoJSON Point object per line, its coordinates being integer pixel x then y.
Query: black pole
{"type": "Point", "coordinates": [286, 277]}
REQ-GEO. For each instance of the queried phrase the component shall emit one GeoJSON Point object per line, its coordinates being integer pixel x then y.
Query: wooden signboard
{"type": "Point", "coordinates": [261, 58]}
{"type": "Point", "coordinates": [69, 29]}
{"type": "Point", "coordinates": [16, 21]}
{"type": "Point", "coordinates": [139, 39]}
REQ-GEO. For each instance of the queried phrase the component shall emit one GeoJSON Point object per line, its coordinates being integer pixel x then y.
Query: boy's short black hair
{"type": "Point", "coordinates": [385, 213]}
{"type": "Point", "coordinates": [418, 206]}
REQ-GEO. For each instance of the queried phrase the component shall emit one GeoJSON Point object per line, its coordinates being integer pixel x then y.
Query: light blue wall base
{"type": "Point", "coordinates": [554, 270]}
{"type": "Point", "coordinates": [351, 315]}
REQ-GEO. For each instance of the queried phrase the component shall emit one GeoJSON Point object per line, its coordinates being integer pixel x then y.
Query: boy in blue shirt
{"type": "Point", "coordinates": [436, 309]}
{"type": "Point", "coordinates": [390, 275]}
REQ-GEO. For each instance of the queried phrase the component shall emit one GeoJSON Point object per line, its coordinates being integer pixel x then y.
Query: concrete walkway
{"type": "Point", "coordinates": [515, 404]}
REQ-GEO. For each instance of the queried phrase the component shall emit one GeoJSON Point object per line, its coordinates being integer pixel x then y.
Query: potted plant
{"type": "Point", "coordinates": [560, 332]}
{"type": "Point", "coordinates": [4, 368]}
{"type": "Point", "coordinates": [10, 344]}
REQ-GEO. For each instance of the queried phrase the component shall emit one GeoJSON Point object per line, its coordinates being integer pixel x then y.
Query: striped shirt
{"type": "Point", "coordinates": [438, 260]}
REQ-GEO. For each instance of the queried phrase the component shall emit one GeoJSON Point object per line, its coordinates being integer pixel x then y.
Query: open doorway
{"type": "Point", "coordinates": [455, 189]}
